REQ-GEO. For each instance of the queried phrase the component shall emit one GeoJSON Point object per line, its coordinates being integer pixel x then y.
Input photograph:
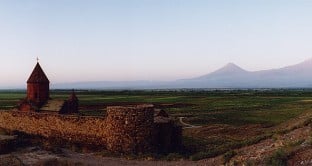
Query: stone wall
{"type": "Point", "coordinates": [130, 128]}
{"type": "Point", "coordinates": [76, 129]}
{"type": "Point", "coordinates": [125, 129]}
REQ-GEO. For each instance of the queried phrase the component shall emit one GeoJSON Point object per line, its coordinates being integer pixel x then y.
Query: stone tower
{"type": "Point", "coordinates": [71, 105]}
{"type": "Point", "coordinates": [38, 87]}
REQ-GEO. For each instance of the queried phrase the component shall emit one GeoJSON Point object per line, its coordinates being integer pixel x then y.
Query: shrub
{"type": "Point", "coordinates": [228, 155]}
{"type": "Point", "coordinates": [278, 158]}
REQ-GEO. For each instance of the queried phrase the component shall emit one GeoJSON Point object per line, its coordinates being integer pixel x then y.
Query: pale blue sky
{"type": "Point", "coordinates": [88, 40]}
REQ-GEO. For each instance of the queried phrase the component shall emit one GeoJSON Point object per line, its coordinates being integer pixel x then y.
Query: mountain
{"type": "Point", "coordinates": [232, 76]}
{"type": "Point", "coordinates": [228, 70]}
{"type": "Point", "coordinates": [229, 76]}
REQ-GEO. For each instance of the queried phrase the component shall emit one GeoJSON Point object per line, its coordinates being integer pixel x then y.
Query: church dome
{"type": "Point", "coordinates": [38, 76]}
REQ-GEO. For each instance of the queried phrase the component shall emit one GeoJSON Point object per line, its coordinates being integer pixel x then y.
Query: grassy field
{"type": "Point", "coordinates": [230, 118]}
{"type": "Point", "coordinates": [269, 107]}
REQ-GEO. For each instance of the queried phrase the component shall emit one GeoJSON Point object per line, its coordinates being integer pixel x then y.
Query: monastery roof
{"type": "Point", "coordinates": [73, 96]}
{"type": "Point", "coordinates": [160, 112]}
{"type": "Point", "coordinates": [38, 75]}
{"type": "Point", "coordinates": [53, 105]}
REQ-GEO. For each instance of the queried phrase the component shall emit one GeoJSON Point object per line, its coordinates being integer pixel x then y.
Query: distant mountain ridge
{"type": "Point", "coordinates": [229, 69]}
{"type": "Point", "coordinates": [232, 76]}
{"type": "Point", "coordinates": [229, 76]}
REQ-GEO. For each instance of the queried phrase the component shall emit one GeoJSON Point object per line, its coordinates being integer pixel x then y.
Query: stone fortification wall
{"type": "Point", "coordinates": [125, 129]}
{"type": "Point", "coordinates": [90, 130]}
{"type": "Point", "coordinates": [130, 128]}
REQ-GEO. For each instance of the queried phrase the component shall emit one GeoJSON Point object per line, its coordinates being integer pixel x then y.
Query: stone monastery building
{"type": "Point", "coordinates": [38, 96]}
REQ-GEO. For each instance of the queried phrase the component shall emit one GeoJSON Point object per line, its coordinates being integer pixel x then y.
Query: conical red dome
{"type": "Point", "coordinates": [38, 76]}
{"type": "Point", "coordinates": [73, 96]}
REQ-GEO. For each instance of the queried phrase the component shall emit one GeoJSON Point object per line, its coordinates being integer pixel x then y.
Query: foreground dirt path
{"type": "Point", "coordinates": [41, 157]}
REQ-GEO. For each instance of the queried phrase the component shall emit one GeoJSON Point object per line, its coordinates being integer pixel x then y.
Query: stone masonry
{"type": "Point", "coordinates": [130, 128]}
{"type": "Point", "coordinates": [125, 129]}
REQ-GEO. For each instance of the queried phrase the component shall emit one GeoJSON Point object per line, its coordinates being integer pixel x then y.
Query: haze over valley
{"type": "Point", "coordinates": [229, 76]}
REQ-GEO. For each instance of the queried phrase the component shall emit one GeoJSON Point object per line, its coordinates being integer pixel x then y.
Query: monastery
{"type": "Point", "coordinates": [124, 129]}
{"type": "Point", "coordinates": [38, 96]}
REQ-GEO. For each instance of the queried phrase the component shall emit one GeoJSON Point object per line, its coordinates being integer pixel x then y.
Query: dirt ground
{"type": "Point", "coordinates": [36, 156]}
{"type": "Point", "coordinates": [302, 157]}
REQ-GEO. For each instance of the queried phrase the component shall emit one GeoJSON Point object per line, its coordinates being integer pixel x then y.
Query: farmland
{"type": "Point", "coordinates": [237, 107]}
{"type": "Point", "coordinates": [230, 119]}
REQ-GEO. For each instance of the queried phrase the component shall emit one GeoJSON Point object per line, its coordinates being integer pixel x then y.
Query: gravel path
{"type": "Point", "coordinates": [187, 126]}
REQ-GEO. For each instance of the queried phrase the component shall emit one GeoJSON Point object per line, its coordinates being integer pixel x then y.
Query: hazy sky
{"type": "Point", "coordinates": [79, 40]}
